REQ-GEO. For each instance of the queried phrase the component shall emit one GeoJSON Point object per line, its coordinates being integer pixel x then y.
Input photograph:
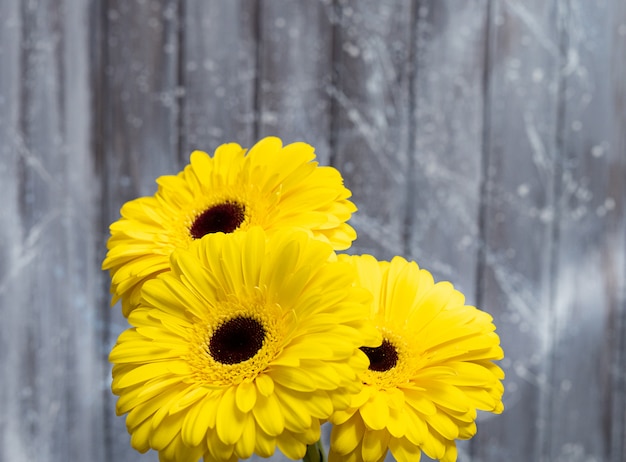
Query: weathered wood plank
{"type": "Point", "coordinates": [585, 405]}
{"type": "Point", "coordinates": [140, 134]}
{"type": "Point", "coordinates": [14, 429]}
{"type": "Point", "coordinates": [371, 118]}
{"type": "Point", "coordinates": [219, 71]}
{"type": "Point", "coordinates": [295, 72]}
{"type": "Point", "coordinates": [448, 144]}
{"type": "Point", "coordinates": [518, 217]}
{"type": "Point", "coordinates": [446, 168]}
{"type": "Point", "coordinates": [50, 361]}
{"type": "Point", "coordinates": [616, 430]}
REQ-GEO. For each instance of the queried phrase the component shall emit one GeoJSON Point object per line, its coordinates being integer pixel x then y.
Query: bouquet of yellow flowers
{"type": "Point", "coordinates": [249, 331]}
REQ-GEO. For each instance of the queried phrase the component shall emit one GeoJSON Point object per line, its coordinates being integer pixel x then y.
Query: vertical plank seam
{"type": "Point", "coordinates": [179, 91]}
{"type": "Point", "coordinates": [59, 25]}
{"type": "Point", "coordinates": [58, 19]}
{"type": "Point", "coordinates": [481, 260]}
{"type": "Point", "coordinates": [546, 411]}
{"type": "Point", "coordinates": [100, 86]}
{"type": "Point", "coordinates": [334, 82]}
{"type": "Point", "coordinates": [22, 117]}
{"type": "Point", "coordinates": [481, 257]}
{"type": "Point", "coordinates": [411, 187]}
{"type": "Point", "coordinates": [97, 78]}
{"type": "Point", "coordinates": [614, 407]}
{"type": "Point", "coordinates": [256, 10]}
{"type": "Point", "coordinates": [21, 168]}
{"type": "Point", "coordinates": [617, 436]}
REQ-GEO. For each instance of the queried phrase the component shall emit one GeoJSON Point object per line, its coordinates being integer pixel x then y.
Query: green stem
{"type": "Point", "coordinates": [315, 453]}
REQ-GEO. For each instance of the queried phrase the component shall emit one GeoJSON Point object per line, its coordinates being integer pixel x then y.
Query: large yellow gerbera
{"type": "Point", "coordinates": [272, 186]}
{"type": "Point", "coordinates": [246, 344]}
{"type": "Point", "coordinates": [432, 372]}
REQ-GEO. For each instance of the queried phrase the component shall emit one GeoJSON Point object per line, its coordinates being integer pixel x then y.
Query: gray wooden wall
{"type": "Point", "coordinates": [484, 138]}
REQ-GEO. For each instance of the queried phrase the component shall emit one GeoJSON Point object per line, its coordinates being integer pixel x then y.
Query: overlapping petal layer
{"type": "Point", "coordinates": [432, 372]}
{"type": "Point", "coordinates": [271, 185]}
{"type": "Point", "coordinates": [244, 346]}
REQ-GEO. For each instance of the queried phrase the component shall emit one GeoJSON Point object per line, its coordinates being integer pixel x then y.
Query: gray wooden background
{"type": "Point", "coordinates": [484, 138]}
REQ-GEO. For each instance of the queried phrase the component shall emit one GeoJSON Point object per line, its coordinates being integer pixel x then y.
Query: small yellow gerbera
{"type": "Point", "coordinates": [244, 346]}
{"type": "Point", "coordinates": [272, 186]}
{"type": "Point", "coordinates": [431, 373]}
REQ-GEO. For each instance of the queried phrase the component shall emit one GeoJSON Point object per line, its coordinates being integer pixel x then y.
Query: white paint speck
{"type": "Point", "coordinates": [523, 190]}
{"type": "Point", "coordinates": [598, 150]}
{"type": "Point", "coordinates": [465, 242]}
{"type": "Point", "coordinates": [538, 75]}
{"type": "Point", "coordinates": [280, 23]}
{"type": "Point", "coordinates": [351, 49]}
{"type": "Point", "coordinates": [546, 215]}
{"type": "Point", "coordinates": [609, 203]}
{"type": "Point", "coordinates": [577, 125]}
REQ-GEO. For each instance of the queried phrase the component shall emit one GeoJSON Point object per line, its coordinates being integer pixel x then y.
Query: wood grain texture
{"type": "Point", "coordinates": [447, 137]}
{"type": "Point", "coordinates": [522, 161]}
{"type": "Point", "coordinates": [485, 140]}
{"type": "Point", "coordinates": [588, 273]}
{"type": "Point", "coordinates": [139, 133]}
{"type": "Point", "coordinates": [371, 118]}
{"type": "Point", "coordinates": [447, 143]}
{"type": "Point", "coordinates": [51, 358]}
{"type": "Point", "coordinates": [219, 74]}
{"type": "Point", "coordinates": [294, 96]}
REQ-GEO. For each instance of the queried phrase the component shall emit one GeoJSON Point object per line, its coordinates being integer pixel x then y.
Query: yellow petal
{"type": "Point", "coordinates": [244, 447]}
{"type": "Point", "coordinates": [198, 420]}
{"type": "Point", "coordinates": [218, 449]}
{"type": "Point", "coordinates": [443, 425]}
{"type": "Point", "coordinates": [296, 379]}
{"type": "Point", "coordinates": [290, 446]}
{"type": "Point", "coordinates": [404, 451]}
{"type": "Point", "coordinates": [374, 446]}
{"type": "Point", "coordinates": [264, 444]}
{"type": "Point", "coordinates": [264, 384]}
{"type": "Point", "coordinates": [245, 397]}
{"type": "Point", "coordinates": [229, 420]}
{"type": "Point", "coordinates": [164, 433]}
{"type": "Point", "coordinates": [269, 415]}
{"type": "Point", "coordinates": [346, 437]}
{"type": "Point", "coordinates": [375, 412]}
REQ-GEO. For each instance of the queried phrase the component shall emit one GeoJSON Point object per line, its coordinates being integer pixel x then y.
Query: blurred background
{"type": "Point", "coordinates": [486, 139]}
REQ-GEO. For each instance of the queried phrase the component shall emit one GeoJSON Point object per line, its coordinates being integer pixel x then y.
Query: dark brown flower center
{"type": "Point", "coordinates": [236, 340]}
{"type": "Point", "coordinates": [225, 217]}
{"type": "Point", "coordinates": [382, 358]}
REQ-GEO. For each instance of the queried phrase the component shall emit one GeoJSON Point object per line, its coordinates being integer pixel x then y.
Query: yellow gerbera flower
{"type": "Point", "coordinates": [246, 344]}
{"type": "Point", "coordinates": [431, 373]}
{"type": "Point", "coordinates": [272, 186]}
